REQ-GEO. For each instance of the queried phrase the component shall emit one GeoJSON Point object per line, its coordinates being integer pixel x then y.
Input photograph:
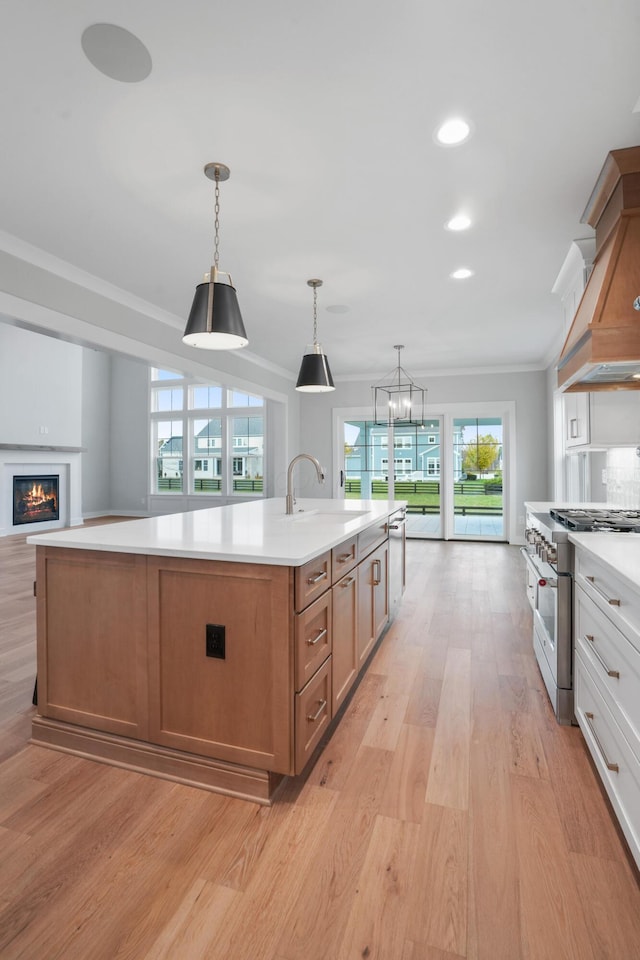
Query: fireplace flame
{"type": "Point", "coordinates": [36, 496]}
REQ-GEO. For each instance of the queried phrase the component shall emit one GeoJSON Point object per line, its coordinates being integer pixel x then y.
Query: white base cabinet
{"type": "Point", "coordinates": [607, 685]}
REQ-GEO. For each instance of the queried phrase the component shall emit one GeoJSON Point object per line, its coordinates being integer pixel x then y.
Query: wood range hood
{"type": "Point", "coordinates": [602, 349]}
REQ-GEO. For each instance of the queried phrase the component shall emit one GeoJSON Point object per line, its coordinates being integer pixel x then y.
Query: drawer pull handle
{"type": "Point", "coordinates": [377, 577]}
{"type": "Point", "coordinates": [346, 582]}
{"type": "Point", "coordinates": [318, 577]}
{"type": "Point", "coordinates": [610, 766]}
{"type": "Point", "coordinates": [611, 600]}
{"type": "Point", "coordinates": [317, 638]}
{"type": "Point", "coordinates": [610, 673]}
{"type": "Point", "coordinates": [318, 713]}
{"type": "Point", "coordinates": [343, 558]}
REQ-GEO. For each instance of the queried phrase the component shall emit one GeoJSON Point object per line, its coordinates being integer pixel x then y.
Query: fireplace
{"type": "Point", "coordinates": [36, 498]}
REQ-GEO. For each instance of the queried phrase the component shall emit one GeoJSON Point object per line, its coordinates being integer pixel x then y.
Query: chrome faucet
{"type": "Point", "coordinates": [320, 472]}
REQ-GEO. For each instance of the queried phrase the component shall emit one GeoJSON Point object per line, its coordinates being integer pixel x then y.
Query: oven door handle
{"type": "Point", "coordinates": [535, 569]}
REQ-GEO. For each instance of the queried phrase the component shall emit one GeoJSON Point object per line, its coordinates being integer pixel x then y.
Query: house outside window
{"type": "Point", "coordinates": [189, 422]}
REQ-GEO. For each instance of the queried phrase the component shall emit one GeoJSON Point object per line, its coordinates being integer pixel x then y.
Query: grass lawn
{"type": "Point", "coordinates": [433, 499]}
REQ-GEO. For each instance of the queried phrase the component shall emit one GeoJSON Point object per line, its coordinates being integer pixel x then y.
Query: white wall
{"type": "Point", "coordinates": [40, 389]}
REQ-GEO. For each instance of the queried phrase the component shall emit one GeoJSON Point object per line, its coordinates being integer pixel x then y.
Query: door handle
{"type": "Point", "coordinates": [341, 479]}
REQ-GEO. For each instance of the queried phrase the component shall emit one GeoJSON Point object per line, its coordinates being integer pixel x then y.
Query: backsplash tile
{"type": "Point", "coordinates": [623, 477]}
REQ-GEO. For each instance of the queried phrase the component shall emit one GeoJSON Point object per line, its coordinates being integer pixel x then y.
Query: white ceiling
{"type": "Point", "coordinates": [325, 113]}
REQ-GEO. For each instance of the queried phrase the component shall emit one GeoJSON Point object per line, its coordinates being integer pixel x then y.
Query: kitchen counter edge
{"type": "Point", "coordinates": [250, 532]}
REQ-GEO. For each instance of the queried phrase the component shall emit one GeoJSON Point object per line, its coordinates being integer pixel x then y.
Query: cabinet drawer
{"type": "Point", "coordinates": [613, 596]}
{"type": "Point", "coordinates": [618, 767]}
{"type": "Point", "coordinates": [312, 714]}
{"type": "Point", "coordinates": [372, 537]}
{"type": "Point", "coordinates": [312, 579]}
{"type": "Point", "coordinates": [344, 558]}
{"type": "Point", "coordinates": [313, 638]}
{"type": "Point", "coordinates": [613, 662]}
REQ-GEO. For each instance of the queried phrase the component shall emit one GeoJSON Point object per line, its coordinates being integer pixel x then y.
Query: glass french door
{"type": "Point", "coordinates": [401, 462]}
{"type": "Point", "coordinates": [456, 472]}
{"type": "Point", "coordinates": [477, 478]}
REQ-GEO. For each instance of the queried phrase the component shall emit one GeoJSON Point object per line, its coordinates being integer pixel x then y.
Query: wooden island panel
{"type": "Point", "coordinates": [239, 708]}
{"type": "Point", "coordinates": [92, 625]}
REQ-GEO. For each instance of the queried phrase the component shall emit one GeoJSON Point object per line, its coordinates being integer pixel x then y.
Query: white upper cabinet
{"type": "Point", "coordinates": [600, 420]}
{"type": "Point", "coordinates": [576, 419]}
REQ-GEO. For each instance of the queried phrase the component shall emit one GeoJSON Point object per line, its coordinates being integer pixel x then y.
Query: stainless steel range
{"type": "Point", "coordinates": [549, 565]}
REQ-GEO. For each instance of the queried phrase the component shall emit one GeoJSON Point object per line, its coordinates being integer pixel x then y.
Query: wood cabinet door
{"type": "Point", "coordinates": [238, 707]}
{"type": "Point", "coordinates": [345, 639]}
{"type": "Point", "coordinates": [380, 587]}
{"type": "Point", "coordinates": [373, 600]}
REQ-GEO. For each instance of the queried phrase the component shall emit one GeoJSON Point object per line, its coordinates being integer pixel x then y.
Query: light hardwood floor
{"type": "Point", "coordinates": [449, 815]}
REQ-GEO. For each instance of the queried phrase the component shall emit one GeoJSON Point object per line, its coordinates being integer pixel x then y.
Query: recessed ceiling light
{"type": "Point", "coordinates": [460, 222]}
{"type": "Point", "coordinates": [117, 53]}
{"type": "Point", "coordinates": [461, 274]}
{"type": "Point", "coordinates": [452, 132]}
{"type": "Point", "coordinates": [338, 308]}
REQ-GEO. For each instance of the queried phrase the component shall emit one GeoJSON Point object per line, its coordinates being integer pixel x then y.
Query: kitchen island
{"type": "Point", "coordinates": [213, 647]}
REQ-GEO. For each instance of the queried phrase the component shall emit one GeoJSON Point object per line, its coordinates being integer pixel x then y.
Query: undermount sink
{"type": "Point", "coordinates": [330, 515]}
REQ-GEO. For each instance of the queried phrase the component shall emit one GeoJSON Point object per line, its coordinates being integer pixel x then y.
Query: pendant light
{"type": "Point", "coordinates": [399, 401]}
{"type": "Point", "coordinates": [315, 375]}
{"type": "Point", "coordinates": [215, 322]}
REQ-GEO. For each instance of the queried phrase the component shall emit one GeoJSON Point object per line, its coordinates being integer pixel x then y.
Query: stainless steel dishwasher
{"type": "Point", "coordinates": [397, 527]}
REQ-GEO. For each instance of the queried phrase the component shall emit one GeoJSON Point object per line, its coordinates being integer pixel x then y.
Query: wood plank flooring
{"type": "Point", "coordinates": [448, 817]}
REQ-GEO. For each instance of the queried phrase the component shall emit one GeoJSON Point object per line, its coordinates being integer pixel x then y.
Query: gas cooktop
{"type": "Point", "coordinates": [598, 521]}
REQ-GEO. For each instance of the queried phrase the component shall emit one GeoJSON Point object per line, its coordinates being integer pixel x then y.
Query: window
{"type": "Point", "coordinates": [432, 439]}
{"type": "Point", "coordinates": [198, 433]}
{"type": "Point", "coordinates": [402, 443]}
{"type": "Point", "coordinates": [167, 439]}
{"type": "Point", "coordinates": [433, 466]}
{"type": "Point", "coordinates": [400, 465]}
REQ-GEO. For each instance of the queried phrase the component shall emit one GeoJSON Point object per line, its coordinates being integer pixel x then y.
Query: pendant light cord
{"type": "Point", "coordinates": [216, 251]}
{"type": "Point", "coordinates": [315, 315]}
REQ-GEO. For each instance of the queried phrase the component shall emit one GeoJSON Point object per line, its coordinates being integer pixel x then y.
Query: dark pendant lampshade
{"type": "Point", "coordinates": [315, 375]}
{"type": "Point", "coordinates": [215, 321]}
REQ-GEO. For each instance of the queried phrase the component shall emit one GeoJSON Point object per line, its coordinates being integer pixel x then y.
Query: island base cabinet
{"type": "Point", "coordinates": [236, 707]}
{"type": "Point", "coordinates": [373, 600]}
{"type": "Point", "coordinates": [617, 764]}
{"type": "Point", "coordinates": [313, 713]}
{"type": "Point", "coordinates": [92, 640]}
{"type": "Point", "coordinates": [345, 638]}
{"type": "Point", "coordinates": [223, 675]}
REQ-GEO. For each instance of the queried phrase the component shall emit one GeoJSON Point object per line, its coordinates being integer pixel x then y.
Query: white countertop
{"type": "Point", "coordinates": [621, 551]}
{"type": "Point", "coordinates": [254, 532]}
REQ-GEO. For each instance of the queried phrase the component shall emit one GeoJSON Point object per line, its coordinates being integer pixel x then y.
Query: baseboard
{"type": "Point", "coordinates": [218, 776]}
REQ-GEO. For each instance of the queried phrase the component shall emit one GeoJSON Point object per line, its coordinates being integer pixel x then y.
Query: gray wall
{"type": "Point", "coordinates": [129, 447]}
{"type": "Point", "coordinates": [96, 431]}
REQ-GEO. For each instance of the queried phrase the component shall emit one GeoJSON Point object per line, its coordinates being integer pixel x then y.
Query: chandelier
{"type": "Point", "coordinates": [399, 400]}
